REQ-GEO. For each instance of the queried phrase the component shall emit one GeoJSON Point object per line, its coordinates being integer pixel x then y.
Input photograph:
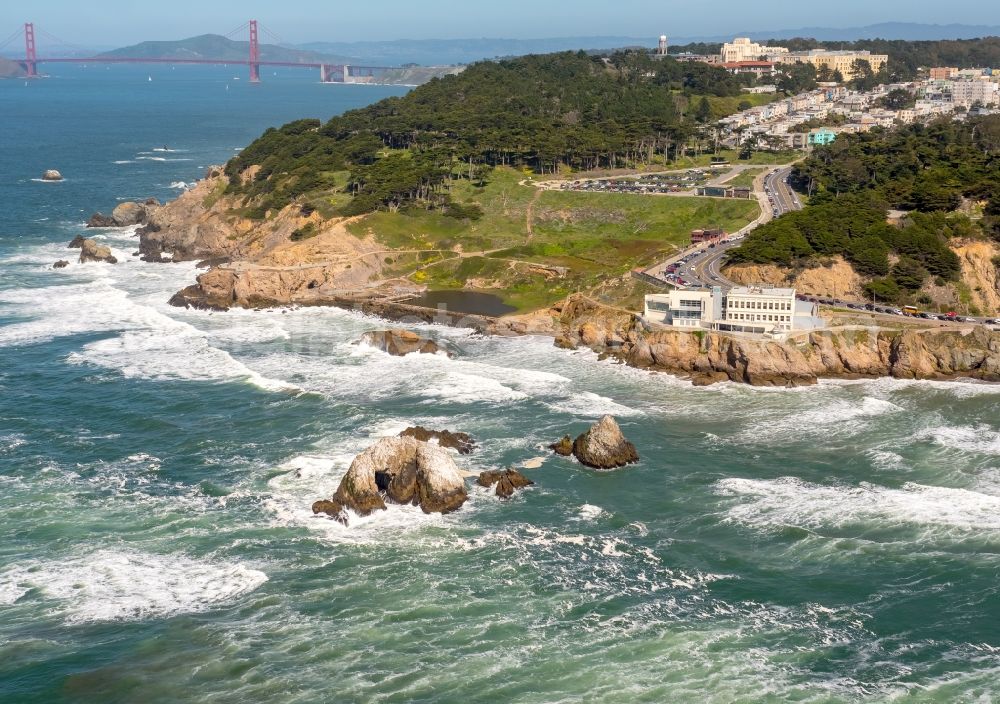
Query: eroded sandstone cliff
{"type": "Point", "coordinates": [853, 352]}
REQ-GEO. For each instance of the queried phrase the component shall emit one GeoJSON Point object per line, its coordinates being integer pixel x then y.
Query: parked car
{"type": "Point", "coordinates": [991, 321]}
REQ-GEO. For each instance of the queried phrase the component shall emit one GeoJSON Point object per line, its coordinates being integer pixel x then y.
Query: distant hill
{"type": "Point", "coordinates": [214, 46]}
{"type": "Point", "coordinates": [431, 52]}
{"type": "Point", "coordinates": [887, 30]}
{"type": "Point", "coordinates": [449, 52]}
{"type": "Point", "coordinates": [10, 69]}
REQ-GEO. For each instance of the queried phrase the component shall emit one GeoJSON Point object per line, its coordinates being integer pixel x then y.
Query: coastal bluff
{"type": "Point", "coordinates": [259, 264]}
{"type": "Point", "coordinates": [852, 353]}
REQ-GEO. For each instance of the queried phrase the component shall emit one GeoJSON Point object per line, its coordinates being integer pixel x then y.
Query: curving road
{"type": "Point", "coordinates": [701, 266]}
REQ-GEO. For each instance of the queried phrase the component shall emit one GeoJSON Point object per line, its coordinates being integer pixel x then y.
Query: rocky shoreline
{"type": "Point", "coordinates": [261, 265]}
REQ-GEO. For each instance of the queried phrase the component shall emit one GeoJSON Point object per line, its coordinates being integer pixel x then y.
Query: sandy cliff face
{"type": "Point", "coordinates": [980, 274]}
{"type": "Point", "coordinates": [257, 262]}
{"type": "Point", "coordinates": [838, 280]}
{"type": "Point", "coordinates": [709, 357]}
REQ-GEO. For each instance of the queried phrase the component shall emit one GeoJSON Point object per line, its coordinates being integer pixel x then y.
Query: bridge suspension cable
{"type": "Point", "coordinates": [238, 33]}
{"type": "Point", "coordinates": [56, 41]}
{"type": "Point", "coordinates": [18, 34]}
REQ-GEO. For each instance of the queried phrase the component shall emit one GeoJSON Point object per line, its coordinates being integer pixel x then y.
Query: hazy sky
{"type": "Point", "coordinates": [122, 22]}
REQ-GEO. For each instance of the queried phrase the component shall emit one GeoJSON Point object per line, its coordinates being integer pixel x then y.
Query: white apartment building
{"type": "Point", "coordinates": [750, 309]}
{"type": "Point", "coordinates": [968, 93]}
{"type": "Point", "coordinates": [742, 49]}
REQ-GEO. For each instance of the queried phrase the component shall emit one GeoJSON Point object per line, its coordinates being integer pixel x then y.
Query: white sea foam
{"type": "Point", "coordinates": [471, 388]}
{"type": "Point", "coordinates": [179, 352]}
{"type": "Point", "coordinates": [591, 405]}
{"type": "Point", "coordinates": [181, 185]}
{"type": "Point", "coordinates": [589, 512]}
{"type": "Point", "coordinates": [124, 585]}
{"type": "Point", "coordinates": [160, 158]}
{"type": "Point", "coordinates": [980, 439]}
{"type": "Point", "coordinates": [11, 592]}
{"type": "Point", "coordinates": [150, 344]}
{"type": "Point", "coordinates": [124, 161]}
{"type": "Point", "coordinates": [775, 504]}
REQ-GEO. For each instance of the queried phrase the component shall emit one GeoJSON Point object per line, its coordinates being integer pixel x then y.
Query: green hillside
{"type": "Point", "coordinates": [540, 113]}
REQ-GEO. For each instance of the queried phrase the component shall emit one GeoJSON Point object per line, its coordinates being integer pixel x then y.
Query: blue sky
{"type": "Point", "coordinates": [121, 22]}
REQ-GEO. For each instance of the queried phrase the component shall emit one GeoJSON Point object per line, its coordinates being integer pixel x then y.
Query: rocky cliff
{"type": "Point", "coordinates": [978, 288]}
{"type": "Point", "coordinates": [855, 352]}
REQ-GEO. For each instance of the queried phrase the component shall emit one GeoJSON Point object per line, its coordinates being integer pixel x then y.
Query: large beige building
{"type": "Point", "coordinates": [742, 49]}
{"type": "Point", "coordinates": [751, 309]}
{"type": "Point", "coordinates": [842, 61]}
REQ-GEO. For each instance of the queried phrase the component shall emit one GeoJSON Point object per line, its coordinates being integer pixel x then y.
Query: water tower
{"type": "Point", "coordinates": [661, 49]}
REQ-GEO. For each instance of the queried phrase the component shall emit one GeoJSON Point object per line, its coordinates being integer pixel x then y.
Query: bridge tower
{"type": "Point", "coordinates": [254, 53]}
{"type": "Point", "coordinates": [30, 54]}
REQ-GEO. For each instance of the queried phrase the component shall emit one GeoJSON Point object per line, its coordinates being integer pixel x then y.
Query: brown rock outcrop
{"type": "Point", "coordinates": [400, 342]}
{"type": "Point", "coordinates": [507, 482]}
{"type": "Point", "coordinates": [90, 251]}
{"type": "Point", "coordinates": [462, 442]}
{"type": "Point", "coordinates": [564, 447]}
{"type": "Point", "coordinates": [100, 220]}
{"type": "Point", "coordinates": [61, 264]}
{"type": "Point", "coordinates": [76, 242]}
{"type": "Point", "coordinates": [402, 470]}
{"type": "Point", "coordinates": [52, 175]}
{"type": "Point", "coordinates": [604, 446]}
{"type": "Point", "coordinates": [128, 214]}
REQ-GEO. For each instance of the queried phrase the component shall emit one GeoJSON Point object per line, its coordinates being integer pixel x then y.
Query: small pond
{"type": "Point", "coordinates": [471, 302]}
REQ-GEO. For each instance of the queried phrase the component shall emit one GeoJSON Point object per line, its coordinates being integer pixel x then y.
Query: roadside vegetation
{"type": "Point", "coordinates": [940, 174]}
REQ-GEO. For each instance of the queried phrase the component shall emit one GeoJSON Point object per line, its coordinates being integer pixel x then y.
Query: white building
{"type": "Point", "coordinates": [742, 49]}
{"type": "Point", "coordinates": [968, 93]}
{"type": "Point", "coordinates": [749, 309]}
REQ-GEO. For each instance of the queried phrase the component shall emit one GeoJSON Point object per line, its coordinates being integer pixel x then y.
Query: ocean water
{"type": "Point", "coordinates": [833, 544]}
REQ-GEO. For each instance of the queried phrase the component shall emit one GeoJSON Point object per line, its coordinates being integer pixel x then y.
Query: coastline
{"type": "Point", "coordinates": [257, 267]}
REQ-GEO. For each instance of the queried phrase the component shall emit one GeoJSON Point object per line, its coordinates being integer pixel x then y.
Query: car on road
{"type": "Point", "coordinates": [991, 321]}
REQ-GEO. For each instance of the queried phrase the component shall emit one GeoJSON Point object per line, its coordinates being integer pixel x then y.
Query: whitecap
{"type": "Point", "coordinates": [124, 585]}
{"type": "Point", "coordinates": [471, 388]}
{"type": "Point", "coordinates": [980, 439]}
{"type": "Point", "coordinates": [590, 405]}
{"type": "Point", "coordinates": [589, 512]}
{"type": "Point", "coordinates": [775, 504]}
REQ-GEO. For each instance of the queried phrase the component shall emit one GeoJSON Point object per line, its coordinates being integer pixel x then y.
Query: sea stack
{"type": "Point", "coordinates": [604, 446]}
{"type": "Point", "coordinates": [52, 175]}
{"type": "Point", "coordinates": [402, 470]}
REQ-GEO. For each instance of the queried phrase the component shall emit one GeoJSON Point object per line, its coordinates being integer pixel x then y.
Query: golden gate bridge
{"type": "Point", "coordinates": [328, 72]}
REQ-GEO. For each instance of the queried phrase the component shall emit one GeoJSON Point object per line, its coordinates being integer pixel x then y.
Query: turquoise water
{"type": "Point", "coordinates": [833, 544]}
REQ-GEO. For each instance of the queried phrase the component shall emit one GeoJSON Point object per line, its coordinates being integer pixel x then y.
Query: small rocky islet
{"type": "Point", "coordinates": [417, 469]}
{"type": "Point", "coordinates": [603, 446]}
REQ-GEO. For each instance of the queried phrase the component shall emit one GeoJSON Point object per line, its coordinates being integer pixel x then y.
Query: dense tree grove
{"type": "Point", "coordinates": [854, 181]}
{"type": "Point", "coordinates": [542, 112]}
{"type": "Point", "coordinates": [916, 167]}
